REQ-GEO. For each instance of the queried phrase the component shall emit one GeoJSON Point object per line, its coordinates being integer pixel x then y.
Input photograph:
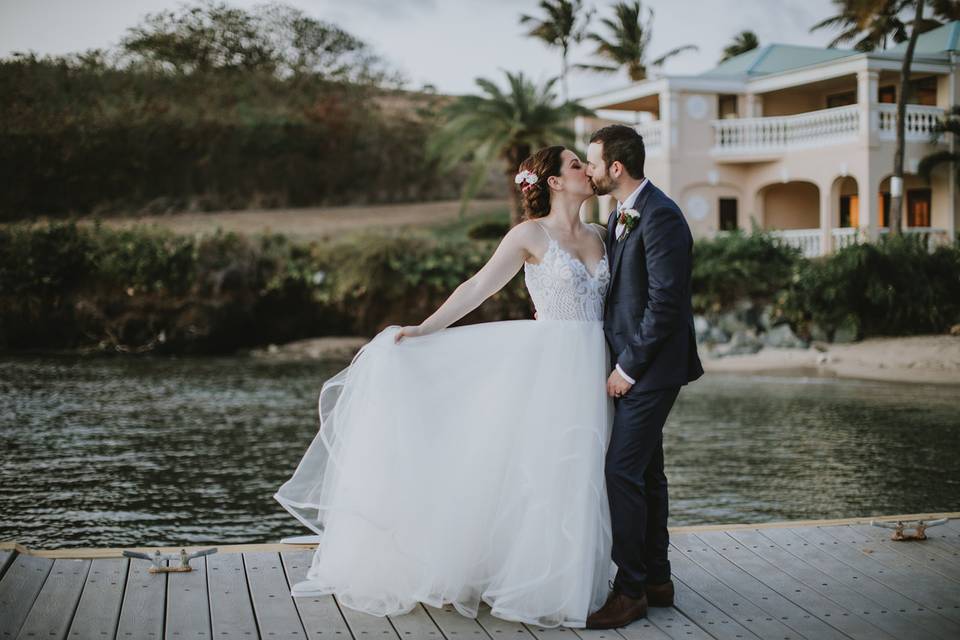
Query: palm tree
{"type": "Point", "coordinates": [896, 182]}
{"type": "Point", "coordinates": [950, 123]}
{"type": "Point", "coordinates": [627, 43]}
{"type": "Point", "coordinates": [742, 42]}
{"type": "Point", "coordinates": [502, 125]}
{"type": "Point", "coordinates": [872, 23]}
{"type": "Point", "coordinates": [561, 27]}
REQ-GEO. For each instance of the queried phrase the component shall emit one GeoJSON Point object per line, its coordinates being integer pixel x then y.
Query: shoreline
{"type": "Point", "coordinates": [927, 359]}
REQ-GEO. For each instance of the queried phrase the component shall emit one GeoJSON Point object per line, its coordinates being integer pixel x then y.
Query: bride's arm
{"type": "Point", "coordinates": [493, 276]}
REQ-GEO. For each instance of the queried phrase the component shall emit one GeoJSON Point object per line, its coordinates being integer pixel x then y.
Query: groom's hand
{"type": "Point", "coordinates": [616, 385]}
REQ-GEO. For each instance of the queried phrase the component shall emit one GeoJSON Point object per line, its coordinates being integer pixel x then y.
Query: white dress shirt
{"type": "Point", "coordinates": [619, 232]}
{"type": "Point", "coordinates": [620, 205]}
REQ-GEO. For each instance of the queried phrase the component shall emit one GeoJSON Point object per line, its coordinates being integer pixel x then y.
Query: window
{"type": "Point", "coordinates": [841, 99]}
{"type": "Point", "coordinates": [888, 94]}
{"type": "Point", "coordinates": [925, 91]}
{"type": "Point", "coordinates": [726, 106]}
{"type": "Point", "coordinates": [849, 211]}
{"type": "Point", "coordinates": [728, 214]}
{"type": "Point", "coordinates": [884, 208]}
{"type": "Point", "coordinates": [918, 207]}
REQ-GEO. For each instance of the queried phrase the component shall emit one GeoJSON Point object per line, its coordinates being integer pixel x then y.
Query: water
{"type": "Point", "coordinates": [123, 452]}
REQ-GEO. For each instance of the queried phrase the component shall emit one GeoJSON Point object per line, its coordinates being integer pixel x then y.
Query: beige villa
{"type": "Point", "coordinates": [797, 140]}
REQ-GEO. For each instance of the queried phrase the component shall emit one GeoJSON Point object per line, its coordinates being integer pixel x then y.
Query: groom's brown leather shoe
{"type": "Point", "coordinates": [660, 595]}
{"type": "Point", "coordinates": [619, 611]}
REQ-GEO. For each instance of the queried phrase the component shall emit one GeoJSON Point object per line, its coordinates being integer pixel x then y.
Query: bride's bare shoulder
{"type": "Point", "coordinates": [600, 228]}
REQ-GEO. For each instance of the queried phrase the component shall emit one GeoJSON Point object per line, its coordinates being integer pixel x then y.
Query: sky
{"type": "Point", "coordinates": [447, 43]}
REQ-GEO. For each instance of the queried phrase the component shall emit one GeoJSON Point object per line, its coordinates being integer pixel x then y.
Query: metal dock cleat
{"type": "Point", "coordinates": [919, 526]}
{"type": "Point", "coordinates": [158, 559]}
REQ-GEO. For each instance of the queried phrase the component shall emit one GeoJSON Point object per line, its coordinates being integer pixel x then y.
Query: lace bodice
{"type": "Point", "coordinates": [562, 288]}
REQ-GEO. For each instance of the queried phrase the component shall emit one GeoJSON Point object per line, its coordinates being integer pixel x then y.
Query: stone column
{"type": "Point", "coordinates": [826, 218]}
{"type": "Point", "coordinates": [867, 99]}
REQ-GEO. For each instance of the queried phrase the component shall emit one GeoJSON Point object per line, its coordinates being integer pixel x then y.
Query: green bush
{"type": "Point", "coordinates": [488, 230]}
{"type": "Point", "coordinates": [893, 287]}
{"type": "Point", "coordinates": [738, 265]}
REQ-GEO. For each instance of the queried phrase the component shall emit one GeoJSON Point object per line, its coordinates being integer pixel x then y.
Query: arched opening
{"type": "Point", "coordinates": [790, 205]}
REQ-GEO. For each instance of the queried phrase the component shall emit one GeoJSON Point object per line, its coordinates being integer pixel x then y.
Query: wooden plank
{"type": "Point", "coordinates": [836, 615]}
{"type": "Point", "coordinates": [717, 623]}
{"type": "Point", "coordinates": [892, 622]}
{"type": "Point", "coordinates": [416, 624]}
{"type": "Point", "coordinates": [99, 609]}
{"type": "Point", "coordinates": [939, 593]}
{"type": "Point", "coordinates": [188, 605]}
{"type": "Point", "coordinates": [451, 623]}
{"type": "Point", "coordinates": [142, 613]}
{"type": "Point", "coordinates": [18, 589]}
{"type": "Point", "coordinates": [273, 605]}
{"type": "Point", "coordinates": [835, 566]}
{"type": "Point", "coordinates": [363, 625]}
{"type": "Point", "coordinates": [643, 629]}
{"type": "Point", "coordinates": [721, 597]}
{"type": "Point", "coordinates": [6, 559]}
{"type": "Point", "coordinates": [675, 624]}
{"type": "Point", "coordinates": [929, 552]}
{"type": "Point", "coordinates": [320, 615]}
{"type": "Point", "coordinates": [231, 612]}
{"type": "Point", "coordinates": [756, 592]}
{"type": "Point", "coordinates": [499, 628]}
{"type": "Point", "coordinates": [52, 611]}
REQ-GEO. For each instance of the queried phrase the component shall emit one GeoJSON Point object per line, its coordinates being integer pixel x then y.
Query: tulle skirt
{"type": "Point", "coordinates": [463, 466]}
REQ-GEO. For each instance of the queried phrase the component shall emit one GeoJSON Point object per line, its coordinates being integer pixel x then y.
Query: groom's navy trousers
{"type": "Point", "coordinates": [637, 489]}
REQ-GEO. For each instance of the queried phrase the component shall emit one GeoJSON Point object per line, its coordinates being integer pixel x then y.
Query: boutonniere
{"type": "Point", "coordinates": [629, 219]}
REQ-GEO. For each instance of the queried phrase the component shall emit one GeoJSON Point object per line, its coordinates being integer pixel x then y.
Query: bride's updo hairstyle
{"type": "Point", "coordinates": [535, 198]}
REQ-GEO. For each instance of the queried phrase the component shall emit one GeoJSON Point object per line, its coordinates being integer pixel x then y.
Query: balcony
{"type": "Point", "coordinates": [808, 241]}
{"type": "Point", "coordinates": [768, 138]}
{"type": "Point", "coordinates": [652, 134]}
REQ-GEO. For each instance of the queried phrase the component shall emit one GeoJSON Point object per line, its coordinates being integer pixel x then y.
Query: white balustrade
{"type": "Point", "coordinates": [844, 237]}
{"type": "Point", "coordinates": [931, 236]}
{"type": "Point", "coordinates": [782, 133]}
{"type": "Point", "coordinates": [652, 134]}
{"type": "Point", "coordinates": [918, 123]}
{"type": "Point", "coordinates": [806, 240]}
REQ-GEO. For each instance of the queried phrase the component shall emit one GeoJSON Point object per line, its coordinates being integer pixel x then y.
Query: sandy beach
{"type": "Point", "coordinates": [920, 359]}
{"type": "Point", "coordinates": [923, 359]}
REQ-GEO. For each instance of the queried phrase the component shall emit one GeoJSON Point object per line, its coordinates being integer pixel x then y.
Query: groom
{"type": "Point", "coordinates": [648, 323]}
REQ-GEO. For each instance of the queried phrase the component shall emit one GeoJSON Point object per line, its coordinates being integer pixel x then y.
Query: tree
{"type": "Point", "coordinates": [742, 42]}
{"type": "Point", "coordinates": [874, 23]}
{"type": "Point", "coordinates": [627, 43]}
{"type": "Point", "coordinates": [501, 125]}
{"type": "Point", "coordinates": [896, 182]}
{"type": "Point", "coordinates": [561, 27]}
{"type": "Point", "coordinates": [274, 38]}
{"type": "Point", "coordinates": [950, 123]}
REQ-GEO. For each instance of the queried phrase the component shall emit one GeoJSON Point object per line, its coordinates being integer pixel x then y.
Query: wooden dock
{"type": "Point", "coordinates": [819, 580]}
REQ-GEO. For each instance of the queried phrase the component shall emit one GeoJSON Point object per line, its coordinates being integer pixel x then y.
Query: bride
{"type": "Point", "coordinates": [455, 465]}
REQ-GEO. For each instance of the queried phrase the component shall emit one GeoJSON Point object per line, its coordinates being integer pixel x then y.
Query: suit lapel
{"type": "Point", "coordinates": [639, 202]}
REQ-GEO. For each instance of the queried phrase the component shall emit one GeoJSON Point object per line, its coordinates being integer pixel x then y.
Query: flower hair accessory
{"type": "Point", "coordinates": [526, 179]}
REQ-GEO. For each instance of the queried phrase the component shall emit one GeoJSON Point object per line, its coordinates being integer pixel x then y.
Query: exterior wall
{"type": "Point", "coordinates": [801, 188]}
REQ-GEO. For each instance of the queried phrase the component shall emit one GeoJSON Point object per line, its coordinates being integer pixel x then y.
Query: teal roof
{"type": "Point", "coordinates": [940, 40]}
{"type": "Point", "coordinates": [775, 58]}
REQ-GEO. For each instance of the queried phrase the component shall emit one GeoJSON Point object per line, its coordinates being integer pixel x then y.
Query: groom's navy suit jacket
{"type": "Point", "coordinates": [648, 317]}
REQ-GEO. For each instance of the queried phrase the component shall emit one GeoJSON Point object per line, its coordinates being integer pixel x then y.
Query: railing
{"type": "Point", "coordinates": [807, 240]}
{"type": "Point", "coordinates": [652, 133]}
{"type": "Point", "coordinates": [844, 237]}
{"type": "Point", "coordinates": [918, 122]}
{"type": "Point", "coordinates": [931, 236]}
{"type": "Point", "coordinates": [809, 244]}
{"type": "Point", "coordinates": [783, 133]}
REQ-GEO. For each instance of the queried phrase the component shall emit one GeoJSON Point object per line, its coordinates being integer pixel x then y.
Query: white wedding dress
{"type": "Point", "coordinates": [468, 464]}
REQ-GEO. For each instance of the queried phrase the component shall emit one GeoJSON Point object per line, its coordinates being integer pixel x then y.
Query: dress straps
{"type": "Point", "coordinates": [602, 241]}
{"type": "Point", "coordinates": [540, 224]}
